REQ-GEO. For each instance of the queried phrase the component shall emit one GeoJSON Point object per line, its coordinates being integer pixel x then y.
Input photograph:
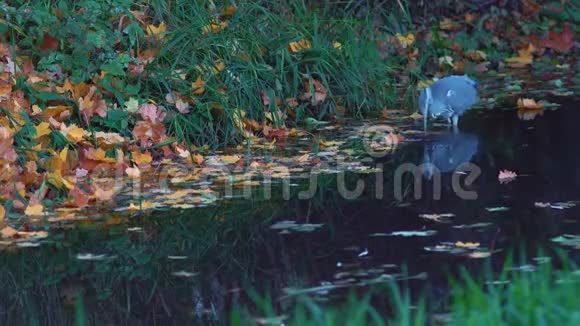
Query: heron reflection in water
{"type": "Point", "coordinates": [448, 152]}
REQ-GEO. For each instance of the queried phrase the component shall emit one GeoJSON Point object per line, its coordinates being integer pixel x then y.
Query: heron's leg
{"type": "Point", "coordinates": [425, 122]}
{"type": "Point", "coordinates": [455, 119]}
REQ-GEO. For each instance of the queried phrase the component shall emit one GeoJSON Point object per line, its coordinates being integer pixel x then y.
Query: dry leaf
{"type": "Point", "coordinates": [529, 103]}
{"type": "Point", "coordinates": [141, 158]}
{"type": "Point", "coordinates": [405, 40]}
{"type": "Point", "coordinates": [230, 159]}
{"type": "Point", "coordinates": [42, 129]}
{"type": "Point", "coordinates": [156, 32]}
{"type": "Point", "coordinates": [299, 46]}
{"type": "Point", "coordinates": [461, 244]}
{"type": "Point", "coordinates": [506, 176]}
{"type": "Point", "coordinates": [524, 56]}
{"type": "Point", "coordinates": [142, 206]}
{"type": "Point", "coordinates": [133, 173]}
{"type": "Point", "coordinates": [8, 232]}
{"type": "Point", "coordinates": [73, 133]}
{"type": "Point", "coordinates": [198, 86]}
{"type": "Point", "coordinates": [33, 210]}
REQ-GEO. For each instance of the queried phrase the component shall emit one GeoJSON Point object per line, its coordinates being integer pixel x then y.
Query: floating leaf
{"type": "Point", "coordinates": [425, 233]}
{"type": "Point", "coordinates": [506, 176]}
{"type": "Point", "coordinates": [470, 245]}
{"type": "Point", "coordinates": [497, 209]}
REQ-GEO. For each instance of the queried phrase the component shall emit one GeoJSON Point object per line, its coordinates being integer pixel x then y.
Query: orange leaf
{"type": "Point", "coordinates": [198, 159]}
{"type": "Point", "coordinates": [529, 103]}
{"type": "Point", "coordinates": [92, 104]}
{"type": "Point", "coordinates": [8, 232]}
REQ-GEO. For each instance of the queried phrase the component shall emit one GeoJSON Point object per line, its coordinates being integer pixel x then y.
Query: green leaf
{"type": "Point", "coordinates": [114, 68]}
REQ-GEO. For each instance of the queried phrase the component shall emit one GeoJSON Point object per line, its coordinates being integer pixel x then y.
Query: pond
{"type": "Point", "coordinates": [182, 265]}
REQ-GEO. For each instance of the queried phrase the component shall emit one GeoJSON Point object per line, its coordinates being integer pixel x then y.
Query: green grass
{"type": "Point", "coordinates": [516, 296]}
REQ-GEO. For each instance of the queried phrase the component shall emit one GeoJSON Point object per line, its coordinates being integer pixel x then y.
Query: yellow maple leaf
{"type": "Point", "coordinates": [56, 179]}
{"type": "Point", "coordinates": [337, 45]}
{"type": "Point", "coordinates": [100, 155]}
{"type": "Point", "coordinates": [157, 32]}
{"type": "Point", "coordinates": [42, 129]}
{"type": "Point", "coordinates": [299, 46]}
{"type": "Point", "coordinates": [230, 159]}
{"type": "Point", "coordinates": [141, 158]}
{"type": "Point", "coordinates": [72, 132]}
{"type": "Point", "coordinates": [63, 155]}
{"type": "Point", "coordinates": [198, 86]}
{"type": "Point", "coordinates": [524, 56]}
{"type": "Point", "coordinates": [406, 40]}
{"type": "Point", "coordinates": [34, 210]}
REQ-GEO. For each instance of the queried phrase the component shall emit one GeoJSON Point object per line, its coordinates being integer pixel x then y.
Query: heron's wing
{"type": "Point", "coordinates": [461, 97]}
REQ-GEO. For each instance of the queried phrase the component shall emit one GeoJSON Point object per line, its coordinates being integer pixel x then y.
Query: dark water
{"type": "Point", "coordinates": [195, 265]}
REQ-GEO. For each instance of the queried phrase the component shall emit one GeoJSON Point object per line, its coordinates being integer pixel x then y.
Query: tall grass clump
{"type": "Point", "coordinates": [339, 51]}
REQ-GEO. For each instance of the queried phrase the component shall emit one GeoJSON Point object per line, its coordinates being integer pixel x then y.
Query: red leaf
{"type": "Point", "coordinates": [48, 42]}
{"type": "Point", "coordinates": [561, 42]}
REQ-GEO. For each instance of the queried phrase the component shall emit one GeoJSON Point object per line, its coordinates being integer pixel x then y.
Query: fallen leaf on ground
{"type": "Point", "coordinates": [299, 46]}
{"type": "Point", "coordinates": [33, 210]}
{"type": "Point", "coordinates": [156, 32]}
{"type": "Point", "coordinates": [142, 206]}
{"type": "Point", "coordinates": [562, 42]}
{"type": "Point", "coordinates": [133, 173]}
{"type": "Point", "coordinates": [230, 159]}
{"type": "Point", "coordinates": [198, 86]}
{"type": "Point", "coordinates": [8, 232]}
{"type": "Point", "coordinates": [524, 57]}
